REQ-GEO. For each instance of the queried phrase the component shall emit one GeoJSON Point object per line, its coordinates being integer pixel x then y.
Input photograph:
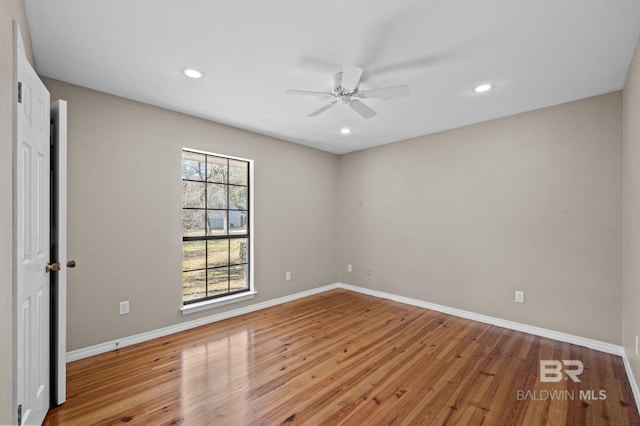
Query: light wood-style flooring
{"type": "Point", "coordinates": [344, 358]}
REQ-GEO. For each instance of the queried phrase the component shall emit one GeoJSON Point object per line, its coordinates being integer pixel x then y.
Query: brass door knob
{"type": "Point", "coordinates": [52, 267]}
{"type": "Point", "coordinates": [71, 264]}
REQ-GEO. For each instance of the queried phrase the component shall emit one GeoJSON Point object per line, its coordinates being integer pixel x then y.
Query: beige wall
{"type": "Point", "coordinates": [125, 212]}
{"type": "Point", "coordinates": [464, 218]}
{"type": "Point", "coordinates": [631, 212]}
{"type": "Point", "coordinates": [9, 10]}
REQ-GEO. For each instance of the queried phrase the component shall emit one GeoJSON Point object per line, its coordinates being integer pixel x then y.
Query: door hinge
{"type": "Point", "coordinates": [20, 414]}
{"type": "Point", "coordinates": [19, 92]}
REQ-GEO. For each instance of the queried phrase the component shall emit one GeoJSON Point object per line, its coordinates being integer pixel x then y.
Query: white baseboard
{"type": "Point", "coordinates": [631, 378]}
{"type": "Point", "coordinates": [512, 325]}
{"type": "Point", "coordinates": [153, 334]}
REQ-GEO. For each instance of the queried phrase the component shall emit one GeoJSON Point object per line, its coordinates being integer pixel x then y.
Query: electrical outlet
{"type": "Point", "coordinates": [287, 276]}
{"type": "Point", "coordinates": [349, 268]}
{"type": "Point", "coordinates": [124, 307]}
{"type": "Point", "coordinates": [637, 345]}
{"type": "Point", "coordinates": [520, 296]}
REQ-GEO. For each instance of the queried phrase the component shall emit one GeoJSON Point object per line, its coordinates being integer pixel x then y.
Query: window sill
{"type": "Point", "coordinates": [215, 303]}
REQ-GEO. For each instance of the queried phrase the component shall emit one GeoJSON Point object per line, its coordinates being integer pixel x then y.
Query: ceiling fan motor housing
{"type": "Point", "coordinates": [338, 90]}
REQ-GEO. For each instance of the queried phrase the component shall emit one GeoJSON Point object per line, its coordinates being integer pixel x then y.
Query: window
{"type": "Point", "coordinates": [215, 226]}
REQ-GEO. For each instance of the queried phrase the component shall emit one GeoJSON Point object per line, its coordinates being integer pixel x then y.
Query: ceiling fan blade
{"type": "Point", "coordinates": [307, 92]}
{"type": "Point", "coordinates": [351, 77]}
{"type": "Point", "coordinates": [321, 110]}
{"type": "Point", "coordinates": [362, 109]}
{"type": "Point", "coordinates": [385, 92]}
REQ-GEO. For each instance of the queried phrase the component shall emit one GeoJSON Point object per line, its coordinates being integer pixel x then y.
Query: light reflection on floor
{"type": "Point", "coordinates": [225, 378]}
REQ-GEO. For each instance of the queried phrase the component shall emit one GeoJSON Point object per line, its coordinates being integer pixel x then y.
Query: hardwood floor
{"type": "Point", "coordinates": [345, 358]}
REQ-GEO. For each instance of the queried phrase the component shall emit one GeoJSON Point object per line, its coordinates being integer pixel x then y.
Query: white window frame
{"type": "Point", "coordinates": [238, 297]}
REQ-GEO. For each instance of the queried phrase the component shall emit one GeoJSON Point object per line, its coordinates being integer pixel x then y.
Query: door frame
{"type": "Point", "coordinates": [58, 381]}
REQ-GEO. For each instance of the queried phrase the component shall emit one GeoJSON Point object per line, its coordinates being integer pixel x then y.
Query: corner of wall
{"type": "Point", "coordinates": [630, 212]}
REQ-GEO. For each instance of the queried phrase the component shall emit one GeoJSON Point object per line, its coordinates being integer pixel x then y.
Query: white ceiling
{"type": "Point", "coordinates": [535, 53]}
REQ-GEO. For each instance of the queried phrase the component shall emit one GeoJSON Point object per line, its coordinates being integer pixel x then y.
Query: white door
{"type": "Point", "coordinates": [32, 240]}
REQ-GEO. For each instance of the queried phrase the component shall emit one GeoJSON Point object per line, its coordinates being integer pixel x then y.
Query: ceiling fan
{"type": "Point", "coordinates": [345, 88]}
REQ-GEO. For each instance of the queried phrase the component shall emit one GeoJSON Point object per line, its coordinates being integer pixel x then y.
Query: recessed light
{"type": "Point", "coordinates": [191, 73]}
{"type": "Point", "coordinates": [345, 130]}
{"type": "Point", "coordinates": [482, 88]}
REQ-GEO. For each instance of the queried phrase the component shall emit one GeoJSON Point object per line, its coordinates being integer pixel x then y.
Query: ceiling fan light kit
{"type": "Point", "coordinates": [345, 88]}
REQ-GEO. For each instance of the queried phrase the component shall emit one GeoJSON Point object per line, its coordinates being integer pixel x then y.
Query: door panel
{"type": "Point", "coordinates": [32, 244]}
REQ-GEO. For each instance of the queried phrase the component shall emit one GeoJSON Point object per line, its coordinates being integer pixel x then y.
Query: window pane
{"type": "Point", "coordinates": [216, 196]}
{"type": "Point", "coordinates": [193, 166]}
{"type": "Point", "coordinates": [238, 198]}
{"type": "Point", "coordinates": [193, 223]}
{"type": "Point", "coordinates": [238, 172]}
{"type": "Point", "coordinates": [193, 255]}
{"type": "Point", "coordinates": [217, 169]}
{"type": "Point", "coordinates": [217, 222]}
{"type": "Point", "coordinates": [194, 285]}
{"type": "Point", "coordinates": [238, 278]}
{"type": "Point", "coordinates": [237, 222]}
{"type": "Point", "coordinates": [192, 194]}
{"type": "Point", "coordinates": [218, 253]}
{"type": "Point", "coordinates": [218, 281]}
{"type": "Point", "coordinates": [215, 201]}
{"type": "Point", "coordinates": [239, 251]}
